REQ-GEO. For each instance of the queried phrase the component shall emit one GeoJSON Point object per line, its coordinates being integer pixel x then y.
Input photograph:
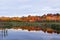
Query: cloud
{"type": "Point", "coordinates": [23, 0]}
{"type": "Point", "coordinates": [26, 7]}
{"type": "Point", "coordinates": [14, 0]}
{"type": "Point", "coordinates": [51, 10]}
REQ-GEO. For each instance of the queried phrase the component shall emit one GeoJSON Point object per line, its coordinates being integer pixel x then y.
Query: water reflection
{"type": "Point", "coordinates": [29, 33]}
{"type": "Point", "coordinates": [4, 31]}
{"type": "Point", "coordinates": [37, 28]}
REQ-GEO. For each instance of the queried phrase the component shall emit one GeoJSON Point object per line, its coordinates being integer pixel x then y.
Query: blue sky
{"type": "Point", "coordinates": [28, 7]}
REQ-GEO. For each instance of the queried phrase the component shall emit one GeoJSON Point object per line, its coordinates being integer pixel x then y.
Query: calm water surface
{"type": "Point", "coordinates": [13, 34]}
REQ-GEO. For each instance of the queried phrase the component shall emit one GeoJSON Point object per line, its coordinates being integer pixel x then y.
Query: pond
{"type": "Point", "coordinates": [28, 33]}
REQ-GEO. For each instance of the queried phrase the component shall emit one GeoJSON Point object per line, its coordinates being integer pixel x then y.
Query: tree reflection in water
{"type": "Point", "coordinates": [37, 28]}
{"type": "Point", "coordinates": [4, 31]}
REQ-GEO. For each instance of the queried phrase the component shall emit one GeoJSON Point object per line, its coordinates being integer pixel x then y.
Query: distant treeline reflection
{"type": "Point", "coordinates": [50, 28]}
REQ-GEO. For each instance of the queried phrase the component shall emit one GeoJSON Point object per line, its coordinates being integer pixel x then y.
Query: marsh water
{"type": "Point", "coordinates": [29, 33]}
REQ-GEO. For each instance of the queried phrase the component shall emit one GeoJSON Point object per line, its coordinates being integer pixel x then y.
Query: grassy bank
{"type": "Point", "coordinates": [44, 25]}
{"type": "Point", "coordinates": [14, 23]}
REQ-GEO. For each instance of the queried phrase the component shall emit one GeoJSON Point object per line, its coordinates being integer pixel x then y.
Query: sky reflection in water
{"type": "Point", "coordinates": [13, 34]}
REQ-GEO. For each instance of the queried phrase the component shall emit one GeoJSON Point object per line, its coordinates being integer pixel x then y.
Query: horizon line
{"type": "Point", "coordinates": [26, 15]}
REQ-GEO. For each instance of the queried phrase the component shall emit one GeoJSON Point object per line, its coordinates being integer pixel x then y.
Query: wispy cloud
{"type": "Point", "coordinates": [26, 7]}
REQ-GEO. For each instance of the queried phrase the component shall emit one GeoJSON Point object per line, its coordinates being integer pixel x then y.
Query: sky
{"type": "Point", "coordinates": [28, 7]}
